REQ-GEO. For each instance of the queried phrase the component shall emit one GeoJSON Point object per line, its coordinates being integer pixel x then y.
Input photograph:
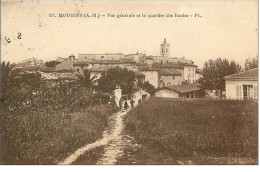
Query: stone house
{"type": "Point", "coordinates": [188, 71]}
{"type": "Point", "coordinates": [169, 77]}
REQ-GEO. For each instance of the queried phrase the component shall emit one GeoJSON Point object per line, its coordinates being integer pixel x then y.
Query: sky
{"type": "Point", "coordinates": [227, 29]}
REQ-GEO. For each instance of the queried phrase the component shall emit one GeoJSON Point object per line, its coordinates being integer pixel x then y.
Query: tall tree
{"type": "Point", "coordinates": [214, 72]}
{"type": "Point", "coordinates": [87, 82]}
{"type": "Point", "coordinates": [9, 78]}
{"type": "Point", "coordinates": [117, 77]}
{"type": "Point", "coordinates": [251, 63]}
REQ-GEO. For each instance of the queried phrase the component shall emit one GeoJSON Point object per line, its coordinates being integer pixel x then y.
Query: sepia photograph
{"type": "Point", "coordinates": [129, 82]}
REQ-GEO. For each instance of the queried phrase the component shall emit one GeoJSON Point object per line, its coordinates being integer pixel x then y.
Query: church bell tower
{"type": "Point", "coordinates": [165, 49]}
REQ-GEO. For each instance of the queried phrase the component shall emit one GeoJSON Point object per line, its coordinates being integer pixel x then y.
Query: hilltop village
{"type": "Point", "coordinates": [161, 71]}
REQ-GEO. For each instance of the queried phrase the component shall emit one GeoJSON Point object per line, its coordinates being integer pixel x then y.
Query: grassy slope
{"type": "Point", "coordinates": [201, 132]}
{"type": "Point", "coordinates": [49, 138]}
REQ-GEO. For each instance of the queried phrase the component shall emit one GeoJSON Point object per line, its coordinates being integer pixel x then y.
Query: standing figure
{"type": "Point", "coordinates": [132, 102]}
{"type": "Point", "coordinates": [126, 105]}
{"type": "Point", "coordinates": [120, 103]}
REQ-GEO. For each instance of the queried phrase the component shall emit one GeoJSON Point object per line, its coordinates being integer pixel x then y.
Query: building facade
{"type": "Point", "coordinates": [242, 86]}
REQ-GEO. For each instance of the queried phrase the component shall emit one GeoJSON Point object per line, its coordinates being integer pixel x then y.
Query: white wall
{"type": "Point", "coordinates": [166, 93]}
{"type": "Point", "coordinates": [152, 77]}
{"type": "Point", "coordinates": [231, 87]}
{"type": "Point", "coordinates": [189, 74]}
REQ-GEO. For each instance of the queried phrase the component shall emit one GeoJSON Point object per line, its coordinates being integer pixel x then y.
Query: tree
{"type": "Point", "coordinates": [251, 63]}
{"type": "Point", "coordinates": [85, 79]}
{"type": "Point", "coordinates": [52, 63]}
{"type": "Point", "coordinates": [149, 88]}
{"type": "Point", "coordinates": [214, 72]}
{"type": "Point", "coordinates": [9, 78]}
{"type": "Point", "coordinates": [87, 82]}
{"type": "Point", "coordinates": [117, 77]}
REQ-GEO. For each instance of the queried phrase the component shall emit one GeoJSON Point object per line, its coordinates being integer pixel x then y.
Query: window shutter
{"type": "Point", "coordinates": [238, 92]}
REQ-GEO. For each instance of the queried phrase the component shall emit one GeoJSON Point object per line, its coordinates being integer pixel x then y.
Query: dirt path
{"type": "Point", "coordinates": [113, 140]}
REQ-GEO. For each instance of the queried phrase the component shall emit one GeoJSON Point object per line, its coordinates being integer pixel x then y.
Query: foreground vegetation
{"type": "Point", "coordinates": [194, 132]}
{"type": "Point", "coordinates": [42, 124]}
{"type": "Point", "coordinates": [47, 131]}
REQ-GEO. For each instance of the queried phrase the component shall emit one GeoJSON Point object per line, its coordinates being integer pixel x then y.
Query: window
{"type": "Point", "coordinates": [168, 84]}
{"type": "Point", "coordinates": [173, 77]}
{"type": "Point", "coordinates": [166, 50]}
{"type": "Point", "coordinates": [247, 92]}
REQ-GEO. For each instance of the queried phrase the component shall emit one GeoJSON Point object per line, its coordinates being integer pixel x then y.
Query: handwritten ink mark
{"type": "Point", "coordinates": [19, 36]}
{"type": "Point", "coordinates": [8, 40]}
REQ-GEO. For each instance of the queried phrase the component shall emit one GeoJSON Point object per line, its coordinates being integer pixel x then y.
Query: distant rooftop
{"type": "Point", "coordinates": [169, 72]}
{"type": "Point", "coordinates": [100, 68]}
{"type": "Point", "coordinates": [246, 75]}
{"type": "Point", "coordinates": [172, 65]}
{"type": "Point", "coordinates": [102, 54]}
{"type": "Point", "coordinates": [182, 88]}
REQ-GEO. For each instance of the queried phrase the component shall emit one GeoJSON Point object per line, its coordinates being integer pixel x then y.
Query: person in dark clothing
{"type": "Point", "coordinates": [126, 105]}
{"type": "Point", "coordinates": [132, 103]}
{"type": "Point", "coordinates": [120, 103]}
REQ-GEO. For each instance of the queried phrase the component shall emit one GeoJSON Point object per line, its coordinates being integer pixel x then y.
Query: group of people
{"type": "Point", "coordinates": [124, 105]}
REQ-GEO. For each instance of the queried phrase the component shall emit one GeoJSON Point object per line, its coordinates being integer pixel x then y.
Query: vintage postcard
{"type": "Point", "coordinates": [129, 82]}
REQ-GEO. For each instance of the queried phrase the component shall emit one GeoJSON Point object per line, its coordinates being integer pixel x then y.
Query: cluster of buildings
{"type": "Point", "coordinates": [172, 77]}
{"type": "Point", "coordinates": [165, 73]}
